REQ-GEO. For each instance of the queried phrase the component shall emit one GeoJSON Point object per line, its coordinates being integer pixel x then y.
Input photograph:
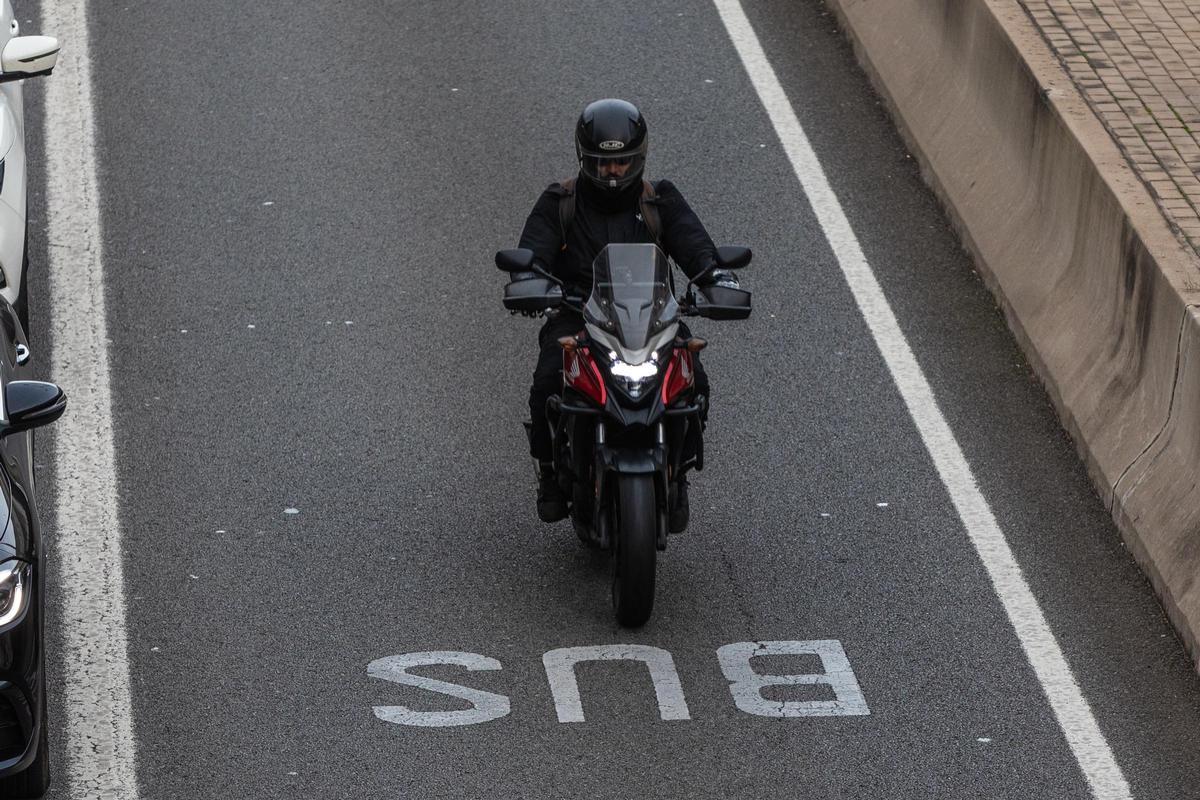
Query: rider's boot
{"type": "Point", "coordinates": [551, 502]}
{"type": "Point", "coordinates": [680, 513]}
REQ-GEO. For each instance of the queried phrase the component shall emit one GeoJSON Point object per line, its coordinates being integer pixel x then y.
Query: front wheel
{"type": "Point", "coordinates": [635, 540]}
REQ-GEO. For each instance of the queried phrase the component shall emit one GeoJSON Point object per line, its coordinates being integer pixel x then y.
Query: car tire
{"type": "Point", "coordinates": [33, 781]}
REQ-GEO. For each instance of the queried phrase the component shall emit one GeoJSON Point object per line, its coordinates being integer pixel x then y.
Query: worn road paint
{"type": "Point", "coordinates": [1071, 709]}
{"type": "Point", "coordinates": [486, 706]}
{"type": "Point", "coordinates": [746, 685]}
{"type": "Point", "coordinates": [560, 673]}
{"type": "Point", "coordinates": [100, 749]}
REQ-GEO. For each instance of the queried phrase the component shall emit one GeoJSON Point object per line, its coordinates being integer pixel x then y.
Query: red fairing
{"type": "Point", "coordinates": [679, 375]}
{"type": "Point", "coordinates": [581, 374]}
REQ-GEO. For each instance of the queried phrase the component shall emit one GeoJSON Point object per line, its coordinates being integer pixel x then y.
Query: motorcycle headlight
{"type": "Point", "coordinates": [634, 379]}
{"type": "Point", "coordinates": [15, 583]}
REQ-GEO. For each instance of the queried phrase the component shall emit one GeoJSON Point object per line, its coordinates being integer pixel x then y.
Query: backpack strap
{"type": "Point", "coordinates": [648, 205]}
{"type": "Point", "coordinates": [566, 208]}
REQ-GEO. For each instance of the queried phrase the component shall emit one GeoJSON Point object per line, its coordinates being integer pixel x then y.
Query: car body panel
{"type": "Point", "coordinates": [12, 153]}
{"type": "Point", "coordinates": [22, 690]}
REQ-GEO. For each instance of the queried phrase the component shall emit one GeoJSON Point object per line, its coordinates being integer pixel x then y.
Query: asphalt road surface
{"type": "Point", "coordinates": [301, 202]}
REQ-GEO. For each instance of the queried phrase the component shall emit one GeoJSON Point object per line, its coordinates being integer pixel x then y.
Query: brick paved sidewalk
{"type": "Point", "coordinates": [1138, 64]}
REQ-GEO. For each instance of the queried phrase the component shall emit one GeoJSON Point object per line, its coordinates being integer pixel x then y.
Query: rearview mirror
{"type": "Point", "coordinates": [31, 404]}
{"type": "Point", "coordinates": [733, 257]}
{"type": "Point", "coordinates": [516, 260]}
{"type": "Point", "coordinates": [27, 57]}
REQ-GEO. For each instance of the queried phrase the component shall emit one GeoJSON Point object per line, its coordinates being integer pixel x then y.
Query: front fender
{"type": "Point", "coordinates": [633, 460]}
{"type": "Point", "coordinates": [637, 461]}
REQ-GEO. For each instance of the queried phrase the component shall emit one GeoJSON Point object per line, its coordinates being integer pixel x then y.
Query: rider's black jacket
{"type": "Point", "coordinates": [600, 220]}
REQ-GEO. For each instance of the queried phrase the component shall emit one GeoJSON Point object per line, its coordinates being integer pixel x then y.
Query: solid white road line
{"type": "Point", "coordinates": [91, 584]}
{"type": "Point", "coordinates": [1041, 648]}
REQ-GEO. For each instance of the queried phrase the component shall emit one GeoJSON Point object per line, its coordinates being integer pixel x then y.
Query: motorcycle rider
{"type": "Point", "coordinates": [572, 221]}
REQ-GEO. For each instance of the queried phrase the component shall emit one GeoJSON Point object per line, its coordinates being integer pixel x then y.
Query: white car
{"type": "Point", "coordinates": [20, 57]}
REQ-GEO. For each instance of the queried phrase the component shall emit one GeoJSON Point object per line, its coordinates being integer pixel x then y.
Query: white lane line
{"type": "Point", "coordinates": [1075, 717]}
{"type": "Point", "coordinates": [100, 744]}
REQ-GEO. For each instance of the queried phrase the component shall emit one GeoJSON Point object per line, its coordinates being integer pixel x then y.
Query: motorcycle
{"type": "Point", "coordinates": [627, 427]}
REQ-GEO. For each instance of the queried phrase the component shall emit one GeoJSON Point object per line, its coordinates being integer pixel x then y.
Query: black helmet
{"type": "Point", "coordinates": [611, 134]}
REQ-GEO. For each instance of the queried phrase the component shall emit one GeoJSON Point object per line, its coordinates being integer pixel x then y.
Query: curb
{"type": "Point", "coordinates": [1099, 292]}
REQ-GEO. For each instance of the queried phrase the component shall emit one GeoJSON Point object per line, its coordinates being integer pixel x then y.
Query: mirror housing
{"type": "Point", "coordinates": [31, 404]}
{"type": "Point", "coordinates": [516, 260]}
{"type": "Point", "coordinates": [722, 302]}
{"type": "Point", "coordinates": [27, 57]}
{"type": "Point", "coordinates": [733, 257]}
{"type": "Point", "coordinates": [532, 295]}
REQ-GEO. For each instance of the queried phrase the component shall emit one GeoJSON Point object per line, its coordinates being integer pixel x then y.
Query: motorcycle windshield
{"type": "Point", "coordinates": [631, 294]}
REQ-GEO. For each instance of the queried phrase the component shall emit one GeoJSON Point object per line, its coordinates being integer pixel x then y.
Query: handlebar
{"type": "Point", "coordinates": [687, 306]}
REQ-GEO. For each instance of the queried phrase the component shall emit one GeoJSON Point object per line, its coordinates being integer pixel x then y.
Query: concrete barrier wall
{"type": "Point", "coordinates": [1096, 287]}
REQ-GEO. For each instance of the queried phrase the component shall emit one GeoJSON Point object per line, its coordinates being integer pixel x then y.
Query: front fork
{"type": "Point", "coordinates": [588, 464]}
{"type": "Point", "coordinates": [611, 462]}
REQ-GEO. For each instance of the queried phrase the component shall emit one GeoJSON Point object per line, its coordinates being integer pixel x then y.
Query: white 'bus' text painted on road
{"type": "Point", "coordinates": [736, 659]}
{"type": "Point", "coordinates": [560, 672]}
{"type": "Point", "coordinates": [486, 705]}
{"type": "Point", "coordinates": [747, 685]}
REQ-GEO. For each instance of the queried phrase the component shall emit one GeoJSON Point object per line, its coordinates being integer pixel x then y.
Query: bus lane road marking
{"type": "Point", "coordinates": [101, 755]}
{"type": "Point", "coordinates": [1071, 709]}
{"type": "Point", "coordinates": [746, 684]}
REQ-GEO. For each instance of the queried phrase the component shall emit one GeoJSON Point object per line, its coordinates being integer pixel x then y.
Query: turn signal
{"type": "Point", "coordinates": [569, 343]}
{"type": "Point", "coordinates": [696, 344]}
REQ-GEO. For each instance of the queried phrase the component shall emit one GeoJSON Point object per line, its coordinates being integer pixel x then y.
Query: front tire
{"type": "Point", "coordinates": [635, 550]}
{"type": "Point", "coordinates": [33, 781]}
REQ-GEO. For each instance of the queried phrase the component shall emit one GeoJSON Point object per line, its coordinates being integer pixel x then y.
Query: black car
{"type": "Point", "coordinates": [24, 405]}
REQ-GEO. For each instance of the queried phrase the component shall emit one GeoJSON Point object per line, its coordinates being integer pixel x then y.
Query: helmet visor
{"type": "Point", "coordinates": [613, 170]}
